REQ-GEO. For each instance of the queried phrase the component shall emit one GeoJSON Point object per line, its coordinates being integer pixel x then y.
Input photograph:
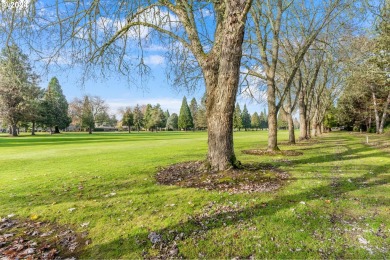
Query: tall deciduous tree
{"type": "Point", "coordinates": [87, 119]}
{"type": "Point", "coordinates": [185, 119]}
{"type": "Point", "coordinates": [17, 86]}
{"type": "Point", "coordinates": [107, 34]}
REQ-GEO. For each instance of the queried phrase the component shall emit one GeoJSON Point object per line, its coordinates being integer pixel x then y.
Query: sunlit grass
{"type": "Point", "coordinates": [338, 193]}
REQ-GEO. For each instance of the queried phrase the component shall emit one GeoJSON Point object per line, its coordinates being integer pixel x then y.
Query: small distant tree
{"type": "Point", "coordinates": [255, 121]}
{"type": "Point", "coordinates": [237, 119]}
{"type": "Point", "coordinates": [263, 120]}
{"type": "Point", "coordinates": [166, 117]}
{"type": "Point", "coordinates": [201, 117]}
{"type": "Point", "coordinates": [194, 111]}
{"type": "Point", "coordinates": [172, 122]}
{"type": "Point", "coordinates": [185, 118]}
{"type": "Point", "coordinates": [246, 118]}
{"type": "Point", "coordinates": [148, 120]}
{"type": "Point", "coordinates": [138, 117]}
{"type": "Point", "coordinates": [128, 118]}
{"type": "Point", "coordinates": [87, 119]}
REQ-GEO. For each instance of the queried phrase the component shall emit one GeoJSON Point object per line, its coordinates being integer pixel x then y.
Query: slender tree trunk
{"type": "Point", "coordinates": [291, 129]}
{"type": "Point", "coordinates": [90, 130]}
{"type": "Point", "coordinates": [33, 128]}
{"type": "Point", "coordinates": [377, 120]}
{"type": "Point", "coordinates": [272, 118]}
{"type": "Point", "coordinates": [384, 115]}
{"type": "Point", "coordinates": [302, 116]}
{"type": "Point", "coordinates": [129, 129]}
{"type": "Point", "coordinates": [14, 130]}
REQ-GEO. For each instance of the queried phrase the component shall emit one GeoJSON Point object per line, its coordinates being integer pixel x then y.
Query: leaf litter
{"type": "Point", "coordinates": [248, 178]}
{"type": "Point", "coordinates": [27, 239]}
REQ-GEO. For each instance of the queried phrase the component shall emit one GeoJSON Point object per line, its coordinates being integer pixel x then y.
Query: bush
{"type": "Point", "coordinates": [98, 130]}
{"type": "Point", "coordinates": [372, 130]}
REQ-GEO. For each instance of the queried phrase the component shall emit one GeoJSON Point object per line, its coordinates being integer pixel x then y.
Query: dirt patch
{"type": "Point", "coordinates": [247, 179]}
{"type": "Point", "coordinates": [26, 239]}
{"type": "Point", "coordinates": [272, 153]}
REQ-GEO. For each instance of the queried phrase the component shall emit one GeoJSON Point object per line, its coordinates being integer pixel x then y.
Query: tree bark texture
{"type": "Point", "coordinates": [221, 70]}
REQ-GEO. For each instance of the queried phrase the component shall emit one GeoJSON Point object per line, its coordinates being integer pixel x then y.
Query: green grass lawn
{"type": "Point", "coordinates": [336, 204]}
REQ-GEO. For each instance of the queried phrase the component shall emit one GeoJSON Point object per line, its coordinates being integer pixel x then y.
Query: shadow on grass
{"type": "Point", "coordinates": [139, 242]}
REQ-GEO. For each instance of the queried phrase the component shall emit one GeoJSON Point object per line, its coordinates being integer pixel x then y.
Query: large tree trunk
{"type": "Point", "coordinates": [129, 129]}
{"type": "Point", "coordinates": [90, 130]}
{"type": "Point", "coordinates": [56, 129]}
{"type": "Point", "coordinates": [384, 115]}
{"type": "Point", "coordinates": [221, 70]}
{"type": "Point", "coordinates": [14, 130]}
{"type": "Point", "coordinates": [33, 128]}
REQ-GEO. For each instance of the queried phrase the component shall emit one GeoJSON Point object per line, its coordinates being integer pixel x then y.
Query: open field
{"type": "Point", "coordinates": [335, 205]}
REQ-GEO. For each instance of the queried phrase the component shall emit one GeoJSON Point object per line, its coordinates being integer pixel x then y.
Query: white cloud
{"type": "Point", "coordinates": [154, 60]}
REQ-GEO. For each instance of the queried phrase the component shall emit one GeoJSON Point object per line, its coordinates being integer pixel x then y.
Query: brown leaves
{"type": "Point", "coordinates": [36, 240]}
{"type": "Point", "coordinates": [250, 178]}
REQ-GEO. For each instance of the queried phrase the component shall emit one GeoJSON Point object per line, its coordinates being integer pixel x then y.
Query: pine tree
{"type": "Point", "coordinates": [185, 118]}
{"type": "Point", "coordinates": [246, 118]}
{"type": "Point", "coordinates": [237, 120]}
{"type": "Point", "coordinates": [56, 107]}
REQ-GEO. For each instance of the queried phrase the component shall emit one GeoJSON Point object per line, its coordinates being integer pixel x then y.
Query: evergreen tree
{"type": "Point", "coordinates": [87, 119]}
{"type": "Point", "coordinates": [172, 122]}
{"type": "Point", "coordinates": [56, 107]}
{"type": "Point", "coordinates": [185, 118]}
{"type": "Point", "coordinates": [246, 118]}
{"type": "Point", "coordinates": [237, 120]}
{"type": "Point", "coordinates": [17, 84]}
{"type": "Point", "coordinates": [128, 118]}
{"type": "Point", "coordinates": [255, 121]}
{"type": "Point", "coordinates": [263, 120]}
{"type": "Point", "coordinates": [194, 111]}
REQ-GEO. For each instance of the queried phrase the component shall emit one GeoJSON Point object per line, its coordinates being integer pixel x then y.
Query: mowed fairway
{"type": "Point", "coordinates": [335, 205]}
